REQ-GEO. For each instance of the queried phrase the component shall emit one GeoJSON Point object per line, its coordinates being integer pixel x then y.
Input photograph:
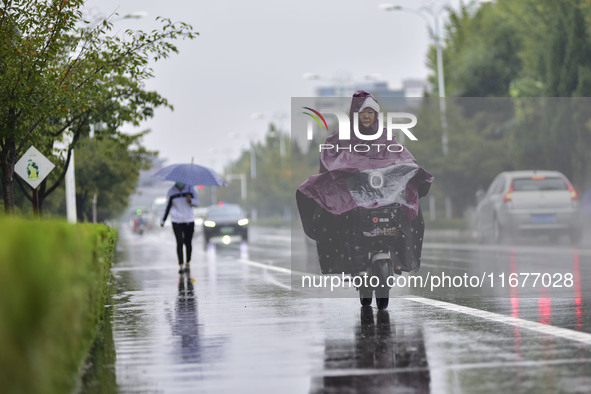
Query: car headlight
{"type": "Point", "coordinates": [209, 223]}
{"type": "Point", "coordinates": [243, 222]}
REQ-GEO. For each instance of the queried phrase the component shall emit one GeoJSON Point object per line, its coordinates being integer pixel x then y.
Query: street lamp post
{"type": "Point", "coordinates": [242, 179]}
{"type": "Point", "coordinates": [278, 117]}
{"type": "Point", "coordinates": [440, 77]}
{"type": "Point", "coordinates": [132, 15]}
{"type": "Point", "coordinates": [96, 16]}
{"type": "Point", "coordinates": [70, 178]}
{"type": "Point", "coordinates": [251, 150]}
{"type": "Point", "coordinates": [434, 14]}
{"type": "Point", "coordinates": [253, 162]}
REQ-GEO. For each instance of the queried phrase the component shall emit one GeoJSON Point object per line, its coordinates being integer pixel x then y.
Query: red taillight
{"type": "Point", "coordinates": [538, 177]}
{"type": "Point", "coordinates": [573, 192]}
{"type": "Point", "coordinates": [571, 189]}
{"type": "Point", "coordinates": [509, 195]}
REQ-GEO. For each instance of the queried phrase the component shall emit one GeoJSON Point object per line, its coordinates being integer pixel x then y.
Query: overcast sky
{"type": "Point", "coordinates": [250, 58]}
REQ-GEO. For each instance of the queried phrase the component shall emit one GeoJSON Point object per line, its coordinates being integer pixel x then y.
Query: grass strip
{"type": "Point", "coordinates": [53, 283]}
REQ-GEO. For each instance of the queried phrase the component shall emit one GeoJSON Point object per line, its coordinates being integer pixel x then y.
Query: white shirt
{"type": "Point", "coordinates": [177, 206]}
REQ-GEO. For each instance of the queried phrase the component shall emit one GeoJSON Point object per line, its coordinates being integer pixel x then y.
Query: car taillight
{"type": "Point", "coordinates": [573, 192]}
{"type": "Point", "coordinates": [509, 195]}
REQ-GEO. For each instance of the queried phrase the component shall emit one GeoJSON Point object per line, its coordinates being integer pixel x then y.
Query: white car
{"type": "Point", "coordinates": [533, 202]}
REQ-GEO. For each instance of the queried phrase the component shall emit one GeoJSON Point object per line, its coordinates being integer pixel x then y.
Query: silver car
{"type": "Point", "coordinates": [520, 202]}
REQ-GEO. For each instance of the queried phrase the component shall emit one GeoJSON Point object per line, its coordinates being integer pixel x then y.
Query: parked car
{"type": "Point", "coordinates": [225, 220]}
{"type": "Point", "coordinates": [529, 202]}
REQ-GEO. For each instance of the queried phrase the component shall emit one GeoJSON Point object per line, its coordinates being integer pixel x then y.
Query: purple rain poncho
{"type": "Point", "coordinates": [327, 201]}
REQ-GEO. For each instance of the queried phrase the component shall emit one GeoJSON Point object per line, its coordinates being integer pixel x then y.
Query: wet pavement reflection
{"type": "Point", "coordinates": [184, 322]}
{"type": "Point", "coordinates": [385, 360]}
{"type": "Point", "coordinates": [552, 300]}
{"type": "Point", "coordinates": [234, 324]}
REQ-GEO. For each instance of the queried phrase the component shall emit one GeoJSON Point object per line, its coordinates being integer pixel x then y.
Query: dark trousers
{"type": "Point", "coordinates": [184, 236]}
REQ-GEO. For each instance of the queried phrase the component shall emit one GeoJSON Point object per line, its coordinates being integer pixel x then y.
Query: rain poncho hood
{"type": "Point", "coordinates": [338, 188]}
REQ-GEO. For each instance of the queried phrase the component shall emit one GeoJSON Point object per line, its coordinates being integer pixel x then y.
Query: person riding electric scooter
{"type": "Point", "coordinates": [362, 209]}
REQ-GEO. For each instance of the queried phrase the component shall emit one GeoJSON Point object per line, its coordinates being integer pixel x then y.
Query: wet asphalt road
{"type": "Point", "coordinates": [240, 322]}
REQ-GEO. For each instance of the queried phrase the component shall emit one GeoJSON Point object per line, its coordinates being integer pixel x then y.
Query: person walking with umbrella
{"type": "Point", "coordinates": [179, 202]}
{"type": "Point", "coordinates": [181, 197]}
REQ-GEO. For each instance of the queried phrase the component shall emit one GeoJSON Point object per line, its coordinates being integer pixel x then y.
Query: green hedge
{"type": "Point", "coordinates": [53, 278]}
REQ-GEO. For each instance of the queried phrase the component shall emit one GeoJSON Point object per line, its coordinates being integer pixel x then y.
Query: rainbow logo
{"type": "Point", "coordinates": [316, 118]}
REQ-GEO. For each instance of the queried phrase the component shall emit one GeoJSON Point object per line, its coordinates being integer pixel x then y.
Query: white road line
{"type": "Point", "coordinates": [512, 321]}
{"type": "Point", "coordinates": [529, 249]}
{"type": "Point", "coordinates": [484, 365]}
{"type": "Point", "coordinates": [265, 266]}
{"type": "Point", "coordinates": [509, 320]}
{"type": "Point", "coordinates": [270, 279]}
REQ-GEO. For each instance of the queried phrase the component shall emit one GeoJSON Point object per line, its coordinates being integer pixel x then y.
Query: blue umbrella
{"type": "Point", "coordinates": [190, 174]}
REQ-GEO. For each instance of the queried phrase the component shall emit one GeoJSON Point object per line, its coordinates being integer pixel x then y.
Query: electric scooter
{"type": "Point", "coordinates": [378, 233]}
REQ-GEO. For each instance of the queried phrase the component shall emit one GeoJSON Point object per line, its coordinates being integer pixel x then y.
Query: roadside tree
{"type": "Point", "coordinates": [60, 73]}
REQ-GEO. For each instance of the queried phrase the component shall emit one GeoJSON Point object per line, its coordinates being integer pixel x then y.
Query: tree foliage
{"type": "Point", "coordinates": [108, 168]}
{"type": "Point", "coordinates": [60, 73]}
{"type": "Point", "coordinates": [270, 192]}
{"type": "Point", "coordinates": [492, 49]}
{"type": "Point", "coordinates": [481, 54]}
{"type": "Point", "coordinates": [536, 54]}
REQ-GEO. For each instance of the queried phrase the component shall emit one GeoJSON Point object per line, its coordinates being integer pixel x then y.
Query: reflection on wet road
{"type": "Point", "coordinates": [559, 297]}
{"type": "Point", "coordinates": [378, 357]}
{"type": "Point", "coordinates": [234, 325]}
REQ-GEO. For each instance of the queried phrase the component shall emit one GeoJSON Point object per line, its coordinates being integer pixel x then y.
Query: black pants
{"type": "Point", "coordinates": [184, 236]}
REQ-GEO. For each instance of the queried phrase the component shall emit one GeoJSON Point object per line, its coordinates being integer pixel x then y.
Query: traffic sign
{"type": "Point", "coordinates": [33, 167]}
